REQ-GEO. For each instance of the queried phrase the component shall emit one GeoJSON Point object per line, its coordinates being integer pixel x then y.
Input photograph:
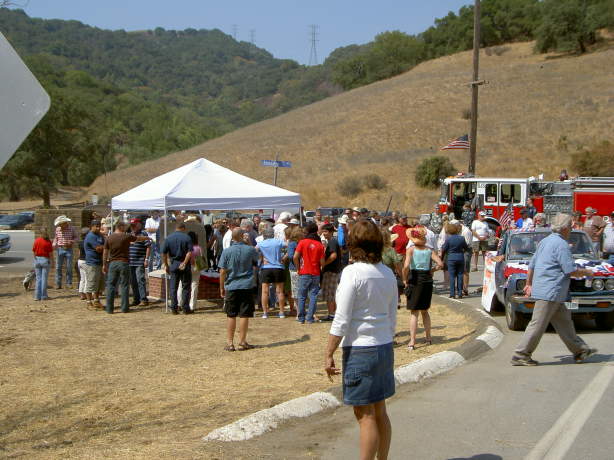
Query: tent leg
{"type": "Point", "coordinates": [165, 274]}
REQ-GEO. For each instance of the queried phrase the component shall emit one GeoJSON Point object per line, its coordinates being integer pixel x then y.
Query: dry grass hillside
{"type": "Point", "coordinates": [534, 111]}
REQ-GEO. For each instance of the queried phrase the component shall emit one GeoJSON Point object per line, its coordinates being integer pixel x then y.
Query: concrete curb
{"type": "Point", "coordinates": [487, 336]}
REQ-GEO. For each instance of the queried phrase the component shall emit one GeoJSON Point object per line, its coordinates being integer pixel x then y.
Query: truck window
{"type": "Point", "coordinates": [511, 193]}
{"type": "Point", "coordinates": [490, 193]}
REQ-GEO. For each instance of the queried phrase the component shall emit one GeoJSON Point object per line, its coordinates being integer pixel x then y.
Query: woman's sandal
{"type": "Point", "coordinates": [229, 348]}
{"type": "Point", "coordinates": [245, 346]}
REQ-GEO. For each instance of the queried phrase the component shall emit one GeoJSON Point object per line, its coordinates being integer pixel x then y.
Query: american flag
{"type": "Point", "coordinates": [507, 216]}
{"type": "Point", "coordinates": [460, 143]}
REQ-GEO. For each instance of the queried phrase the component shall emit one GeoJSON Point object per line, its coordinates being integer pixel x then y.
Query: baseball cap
{"type": "Point", "coordinates": [136, 220]}
{"type": "Point", "coordinates": [294, 221]}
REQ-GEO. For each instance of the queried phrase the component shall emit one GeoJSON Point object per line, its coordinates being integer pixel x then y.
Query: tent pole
{"type": "Point", "coordinates": [165, 274]}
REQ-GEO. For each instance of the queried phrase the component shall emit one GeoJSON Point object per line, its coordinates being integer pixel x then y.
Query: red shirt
{"type": "Point", "coordinates": [42, 248]}
{"type": "Point", "coordinates": [312, 252]}
{"type": "Point", "coordinates": [400, 244]}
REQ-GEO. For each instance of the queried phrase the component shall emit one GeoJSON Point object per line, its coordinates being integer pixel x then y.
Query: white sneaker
{"type": "Point", "coordinates": [281, 315]}
{"type": "Point", "coordinates": [265, 316]}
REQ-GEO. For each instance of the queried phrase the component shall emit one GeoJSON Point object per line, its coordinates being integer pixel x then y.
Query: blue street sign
{"type": "Point", "coordinates": [278, 164]}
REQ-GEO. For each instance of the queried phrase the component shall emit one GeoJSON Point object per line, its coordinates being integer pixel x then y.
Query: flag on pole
{"type": "Point", "coordinates": [460, 143]}
{"type": "Point", "coordinates": [507, 216]}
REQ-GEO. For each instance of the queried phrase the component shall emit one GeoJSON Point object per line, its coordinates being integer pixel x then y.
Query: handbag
{"type": "Point", "coordinates": [200, 263]}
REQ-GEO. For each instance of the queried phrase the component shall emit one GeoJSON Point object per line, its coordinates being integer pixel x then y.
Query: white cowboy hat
{"type": "Point", "coordinates": [61, 220]}
{"type": "Point", "coordinates": [343, 219]}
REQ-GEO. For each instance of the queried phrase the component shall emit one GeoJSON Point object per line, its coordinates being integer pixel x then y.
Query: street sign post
{"type": "Point", "coordinates": [23, 101]}
{"type": "Point", "coordinates": [276, 163]}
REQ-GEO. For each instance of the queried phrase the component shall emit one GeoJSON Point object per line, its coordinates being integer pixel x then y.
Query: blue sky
{"type": "Point", "coordinates": [281, 27]}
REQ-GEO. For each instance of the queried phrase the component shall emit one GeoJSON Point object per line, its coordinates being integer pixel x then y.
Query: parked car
{"type": "Point", "coordinates": [13, 221]}
{"type": "Point", "coordinates": [310, 216]}
{"type": "Point", "coordinates": [590, 297]}
{"type": "Point", "coordinates": [5, 242]}
{"type": "Point", "coordinates": [28, 215]}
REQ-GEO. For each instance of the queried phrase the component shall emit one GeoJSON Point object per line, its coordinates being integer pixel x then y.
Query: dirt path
{"type": "Point", "coordinates": [83, 384]}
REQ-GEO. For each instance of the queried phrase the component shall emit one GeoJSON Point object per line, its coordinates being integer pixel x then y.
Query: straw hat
{"type": "Point", "coordinates": [61, 220]}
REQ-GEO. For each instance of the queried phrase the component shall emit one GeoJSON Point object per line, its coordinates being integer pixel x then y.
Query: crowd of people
{"type": "Point", "coordinates": [359, 263]}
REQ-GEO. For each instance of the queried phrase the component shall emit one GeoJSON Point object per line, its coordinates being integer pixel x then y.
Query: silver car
{"type": "Point", "coordinates": [5, 242]}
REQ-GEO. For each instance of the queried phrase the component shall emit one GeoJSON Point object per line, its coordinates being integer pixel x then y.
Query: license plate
{"type": "Point", "coordinates": [571, 305]}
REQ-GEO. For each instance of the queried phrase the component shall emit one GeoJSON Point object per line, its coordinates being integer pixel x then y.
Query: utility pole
{"type": "Point", "coordinates": [275, 170]}
{"type": "Point", "coordinates": [474, 87]}
{"type": "Point", "coordinates": [313, 54]}
{"type": "Point", "coordinates": [235, 28]}
{"type": "Point", "coordinates": [252, 40]}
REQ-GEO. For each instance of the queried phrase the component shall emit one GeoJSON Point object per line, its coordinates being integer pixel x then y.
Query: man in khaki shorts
{"type": "Point", "coordinates": [94, 246]}
{"type": "Point", "coordinates": [481, 232]}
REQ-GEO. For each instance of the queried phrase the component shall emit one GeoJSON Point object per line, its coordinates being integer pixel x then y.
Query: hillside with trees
{"type": "Point", "coordinates": [127, 97]}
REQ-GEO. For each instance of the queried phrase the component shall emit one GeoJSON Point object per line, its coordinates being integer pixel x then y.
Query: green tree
{"type": "Point", "coordinates": [568, 25]}
{"type": "Point", "coordinates": [432, 169]}
{"type": "Point", "coordinates": [596, 161]}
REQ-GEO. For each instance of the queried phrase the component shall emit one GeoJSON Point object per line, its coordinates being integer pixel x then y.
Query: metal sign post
{"type": "Point", "coordinates": [23, 101]}
{"type": "Point", "coordinates": [276, 163]}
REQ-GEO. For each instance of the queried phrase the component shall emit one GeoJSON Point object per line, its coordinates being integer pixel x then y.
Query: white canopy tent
{"type": "Point", "coordinates": [204, 185]}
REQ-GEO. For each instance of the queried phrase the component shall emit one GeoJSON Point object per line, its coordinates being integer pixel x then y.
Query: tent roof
{"type": "Point", "coordinates": [203, 184]}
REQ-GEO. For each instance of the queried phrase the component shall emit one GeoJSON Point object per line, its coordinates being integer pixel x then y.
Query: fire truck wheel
{"type": "Point", "coordinates": [516, 321]}
{"type": "Point", "coordinates": [605, 321]}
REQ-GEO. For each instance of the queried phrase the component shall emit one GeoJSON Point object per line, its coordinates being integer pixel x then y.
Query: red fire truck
{"type": "Point", "coordinates": [494, 194]}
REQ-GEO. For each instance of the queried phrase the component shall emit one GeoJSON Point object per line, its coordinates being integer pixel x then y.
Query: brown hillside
{"type": "Point", "coordinates": [535, 110]}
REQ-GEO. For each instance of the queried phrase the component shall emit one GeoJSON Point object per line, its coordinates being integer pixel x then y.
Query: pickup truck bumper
{"type": "Point", "coordinates": [577, 304]}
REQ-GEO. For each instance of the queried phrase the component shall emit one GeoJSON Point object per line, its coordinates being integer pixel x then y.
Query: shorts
{"type": "Point", "coordinates": [330, 281]}
{"type": "Point", "coordinates": [479, 246]}
{"type": "Point", "coordinates": [93, 275]}
{"type": "Point", "coordinates": [467, 262]}
{"type": "Point", "coordinates": [239, 302]}
{"type": "Point", "coordinates": [273, 275]}
{"type": "Point", "coordinates": [294, 283]}
{"type": "Point", "coordinates": [368, 374]}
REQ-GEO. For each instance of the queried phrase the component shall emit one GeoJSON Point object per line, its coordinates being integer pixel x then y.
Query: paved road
{"type": "Point", "coordinates": [19, 259]}
{"type": "Point", "coordinates": [484, 410]}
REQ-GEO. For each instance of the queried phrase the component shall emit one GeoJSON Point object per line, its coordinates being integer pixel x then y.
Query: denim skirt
{"type": "Point", "coordinates": [368, 374]}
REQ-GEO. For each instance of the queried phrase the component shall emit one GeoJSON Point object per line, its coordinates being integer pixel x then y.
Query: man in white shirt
{"type": "Point", "coordinates": [479, 243]}
{"type": "Point", "coordinates": [281, 225]}
{"type": "Point", "coordinates": [232, 224]}
{"type": "Point", "coordinates": [152, 224]}
{"type": "Point", "coordinates": [207, 218]}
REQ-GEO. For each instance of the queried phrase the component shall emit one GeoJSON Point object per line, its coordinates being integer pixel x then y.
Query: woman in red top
{"type": "Point", "coordinates": [43, 255]}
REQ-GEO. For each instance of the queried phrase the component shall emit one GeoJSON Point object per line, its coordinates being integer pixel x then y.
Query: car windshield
{"type": "Point", "coordinates": [523, 245]}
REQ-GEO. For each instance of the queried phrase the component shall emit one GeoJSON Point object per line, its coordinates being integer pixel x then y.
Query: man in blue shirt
{"type": "Point", "coordinates": [272, 271]}
{"type": "Point", "coordinates": [548, 279]}
{"type": "Point", "coordinates": [93, 244]}
{"type": "Point", "coordinates": [236, 287]}
{"type": "Point", "coordinates": [176, 252]}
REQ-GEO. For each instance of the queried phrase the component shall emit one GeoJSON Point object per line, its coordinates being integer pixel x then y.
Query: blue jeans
{"type": "Point", "coordinates": [63, 255]}
{"type": "Point", "coordinates": [138, 283]}
{"type": "Point", "coordinates": [119, 272]}
{"type": "Point", "coordinates": [456, 268]}
{"type": "Point", "coordinates": [41, 268]}
{"type": "Point", "coordinates": [307, 285]}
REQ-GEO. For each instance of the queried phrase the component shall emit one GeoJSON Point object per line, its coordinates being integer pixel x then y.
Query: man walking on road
{"type": "Point", "coordinates": [236, 287]}
{"type": "Point", "coordinates": [548, 282]}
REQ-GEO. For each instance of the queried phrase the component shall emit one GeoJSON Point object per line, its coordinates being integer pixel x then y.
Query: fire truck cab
{"type": "Point", "coordinates": [493, 195]}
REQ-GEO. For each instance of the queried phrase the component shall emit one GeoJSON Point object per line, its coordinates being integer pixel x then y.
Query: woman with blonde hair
{"type": "Point", "coordinates": [418, 276]}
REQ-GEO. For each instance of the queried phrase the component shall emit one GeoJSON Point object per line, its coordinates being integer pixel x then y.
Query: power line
{"type": "Point", "coordinates": [313, 54]}
{"type": "Point", "coordinates": [235, 29]}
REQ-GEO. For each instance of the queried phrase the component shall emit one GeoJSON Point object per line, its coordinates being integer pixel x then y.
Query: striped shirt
{"type": "Point", "coordinates": [64, 236]}
{"type": "Point", "coordinates": [138, 250]}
